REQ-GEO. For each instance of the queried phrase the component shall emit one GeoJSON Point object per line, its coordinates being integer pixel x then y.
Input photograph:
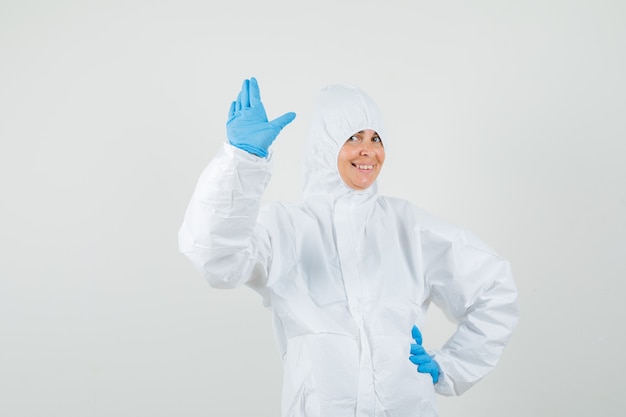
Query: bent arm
{"type": "Point", "coordinates": [220, 234]}
{"type": "Point", "coordinates": [475, 288]}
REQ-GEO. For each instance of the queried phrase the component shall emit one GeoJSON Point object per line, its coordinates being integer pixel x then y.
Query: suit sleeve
{"type": "Point", "coordinates": [475, 288]}
{"type": "Point", "coordinates": [220, 234]}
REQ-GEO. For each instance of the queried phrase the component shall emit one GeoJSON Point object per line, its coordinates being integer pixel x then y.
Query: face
{"type": "Point", "coordinates": [360, 159]}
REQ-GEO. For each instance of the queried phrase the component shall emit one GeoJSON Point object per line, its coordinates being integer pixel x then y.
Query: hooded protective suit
{"type": "Point", "coordinates": [346, 274]}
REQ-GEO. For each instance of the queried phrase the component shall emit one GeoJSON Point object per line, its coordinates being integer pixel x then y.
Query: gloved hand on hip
{"type": "Point", "coordinates": [247, 127]}
{"type": "Point", "coordinates": [425, 363]}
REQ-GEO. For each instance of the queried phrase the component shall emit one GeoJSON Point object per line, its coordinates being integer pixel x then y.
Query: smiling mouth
{"type": "Point", "coordinates": [363, 167]}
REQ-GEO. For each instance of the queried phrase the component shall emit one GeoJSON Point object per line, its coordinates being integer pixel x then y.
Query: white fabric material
{"type": "Point", "coordinates": [347, 273]}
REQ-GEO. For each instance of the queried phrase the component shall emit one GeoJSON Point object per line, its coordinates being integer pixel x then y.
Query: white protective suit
{"type": "Point", "coordinates": [346, 274]}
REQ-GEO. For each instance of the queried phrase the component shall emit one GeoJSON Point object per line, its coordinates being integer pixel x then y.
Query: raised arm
{"type": "Point", "coordinates": [220, 234]}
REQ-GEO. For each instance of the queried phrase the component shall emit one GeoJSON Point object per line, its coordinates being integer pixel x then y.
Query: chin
{"type": "Point", "coordinates": [362, 187]}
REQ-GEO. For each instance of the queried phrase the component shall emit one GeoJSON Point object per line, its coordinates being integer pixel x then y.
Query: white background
{"type": "Point", "coordinates": [506, 117]}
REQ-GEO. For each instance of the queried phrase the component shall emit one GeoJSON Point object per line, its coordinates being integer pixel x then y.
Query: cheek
{"type": "Point", "coordinates": [381, 157]}
{"type": "Point", "coordinates": [343, 157]}
{"type": "Point", "coordinates": [341, 163]}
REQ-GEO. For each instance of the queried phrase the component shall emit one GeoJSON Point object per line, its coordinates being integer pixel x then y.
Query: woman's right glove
{"type": "Point", "coordinates": [247, 127]}
{"type": "Point", "coordinates": [425, 363]}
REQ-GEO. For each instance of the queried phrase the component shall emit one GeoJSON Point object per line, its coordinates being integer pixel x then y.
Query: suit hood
{"type": "Point", "coordinates": [339, 111]}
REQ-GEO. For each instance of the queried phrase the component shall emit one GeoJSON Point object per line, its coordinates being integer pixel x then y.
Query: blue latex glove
{"type": "Point", "coordinates": [425, 363]}
{"type": "Point", "coordinates": [247, 127]}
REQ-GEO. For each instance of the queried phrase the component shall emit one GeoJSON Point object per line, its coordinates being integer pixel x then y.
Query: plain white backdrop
{"type": "Point", "coordinates": [507, 118]}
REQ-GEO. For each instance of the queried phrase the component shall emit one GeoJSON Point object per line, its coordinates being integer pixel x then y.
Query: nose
{"type": "Point", "coordinates": [366, 148]}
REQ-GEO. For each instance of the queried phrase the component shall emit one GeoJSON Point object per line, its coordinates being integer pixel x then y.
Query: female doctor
{"type": "Point", "coordinates": [348, 274]}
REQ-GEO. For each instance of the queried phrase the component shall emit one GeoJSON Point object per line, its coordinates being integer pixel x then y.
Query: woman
{"type": "Point", "coordinates": [348, 274]}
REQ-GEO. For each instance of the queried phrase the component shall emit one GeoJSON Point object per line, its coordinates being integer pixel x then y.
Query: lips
{"type": "Point", "coordinates": [363, 167]}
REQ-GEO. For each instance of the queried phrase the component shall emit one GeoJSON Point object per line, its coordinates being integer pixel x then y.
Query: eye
{"type": "Point", "coordinates": [377, 139]}
{"type": "Point", "coordinates": [353, 138]}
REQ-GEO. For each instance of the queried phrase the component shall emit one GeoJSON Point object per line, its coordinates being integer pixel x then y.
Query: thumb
{"type": "Point", "coordinates": [417, 335]}
{"type": "Point", "coordinates": [284, 120]}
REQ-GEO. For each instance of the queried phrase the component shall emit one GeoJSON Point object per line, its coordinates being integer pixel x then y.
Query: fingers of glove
{"type": "Point", "coordinates": [416, 334]}
{"type": "Point", "coordinates": [420, 359]}
{"type": "Point", "coordinates": [434, 374]}
{"type": "Point", "coordinates": [430, 368]}
{"type": "Point", "coordinates": [284, 120]}
{"type": "Point", "coordinates": [417, 349]}
{"type": "Point", "coordinates": [254, 92]}
{"type": "Point", "coordinates": [244, 94]}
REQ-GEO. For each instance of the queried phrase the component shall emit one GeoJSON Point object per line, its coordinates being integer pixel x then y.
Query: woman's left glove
{"type": "Point", "coordinates": [247, 127]}
{"type": "Point", "coordinates": [425, 363]}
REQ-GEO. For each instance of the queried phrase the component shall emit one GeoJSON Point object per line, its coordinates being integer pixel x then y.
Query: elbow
{"type": "Point", "coordinates": [212, 265]}
{"type": "Point", "coordinates": [224, 281]}
{"type": "Point", "coordinates": [220, 273]}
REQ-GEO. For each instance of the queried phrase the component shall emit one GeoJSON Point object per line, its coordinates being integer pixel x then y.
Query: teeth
{"type": "Point", "coordinates": [364, 166]}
